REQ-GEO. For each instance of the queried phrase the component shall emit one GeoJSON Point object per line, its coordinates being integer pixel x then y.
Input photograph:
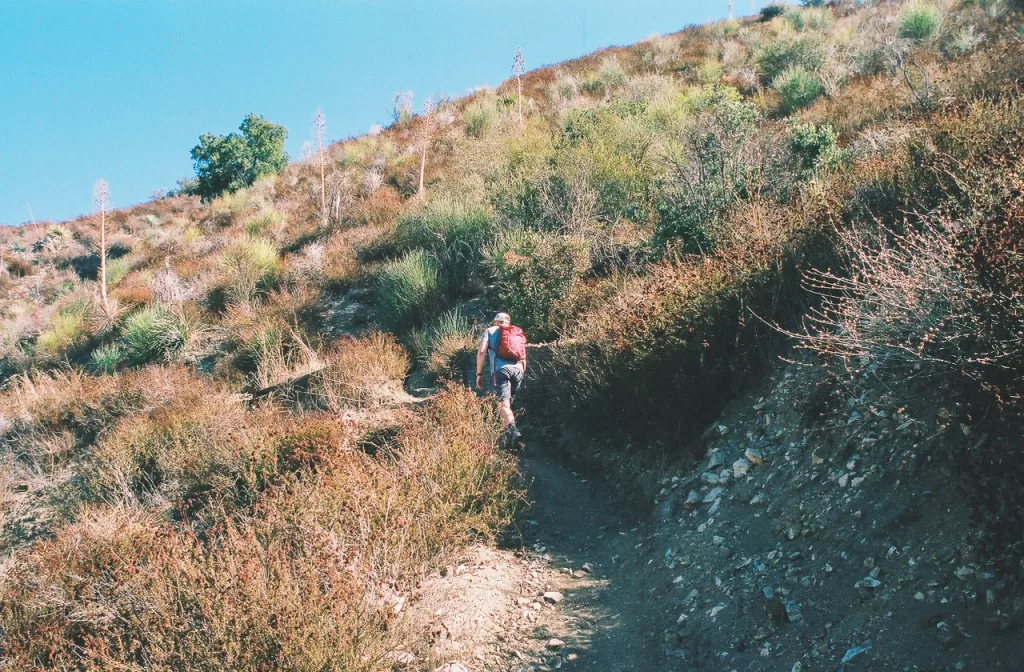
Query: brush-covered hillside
{"type": "Point", "coordinates": [234, 432]}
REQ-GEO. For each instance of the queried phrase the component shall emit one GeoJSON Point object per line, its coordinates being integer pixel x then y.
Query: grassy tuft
{"type": "Point", "coordinates": [919, 21]}
{"type": "Point", "coordinates": [408, 291]}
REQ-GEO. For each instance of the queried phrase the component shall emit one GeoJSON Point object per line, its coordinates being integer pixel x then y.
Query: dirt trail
{"type": "Point", "coordinates": [611, 612]}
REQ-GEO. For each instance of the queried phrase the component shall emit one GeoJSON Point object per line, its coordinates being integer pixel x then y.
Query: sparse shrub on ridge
{"type": "Point", "coordinates": [797, 87]}
{"type": "Point", "coordinates": [408, 291]}
{"type": "Point", "coordinates": [919, 21]}
{"type": "Point", "coordinates": [784, 52]}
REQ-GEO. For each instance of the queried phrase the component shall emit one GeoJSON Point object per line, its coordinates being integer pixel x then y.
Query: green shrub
{"type": "Point", "coordinates": [769, 12]}
{"type": "Point", "coordinates": [437, 347]}
{"type": "Point", "coordinates": [408, 291]}
{"type": "Point", "coordinates": [145, 336]}
{"type": "Point", "coordinates": [116, 270]}
{"type": "Point", "coordinates": [479, 118]}
{"type": "Point", "coordinates": [540, 280]}
{"type": "Point", "coordinates": [250, 265]}
{"type": "Point", "coordinates": [227, 163]}
{"type": "Point", "coordinates": [919, 21]}
{"type": "Point", "coordinates": [67, 328]}
{"type": "Point", "coordinates": [268, 221]}
{"type": "Point", "coordinates": [453, 232]}
{"type": "Point", "coordinates": [106, 358]}
{"type": "Point", "coordinates": [785, 52]}
{"type": "Point", "coordinates": [797, 87]}
{"type": "Point", "coordinates": [815, 146]}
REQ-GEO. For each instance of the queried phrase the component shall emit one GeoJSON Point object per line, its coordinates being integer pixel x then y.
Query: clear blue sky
{"type": "Point", "coordinates": [122, 89]}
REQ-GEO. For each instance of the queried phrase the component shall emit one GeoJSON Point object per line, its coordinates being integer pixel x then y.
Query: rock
{"type": "Point", "coordinates": [401, 658]}
{"type": "Point", "coordinates": [792, 611]}
{"type": "Point", "coordinates": [714, 494]}
{"type": "Point", "coordinates": [754, 456]}
{"type": "Point", "coordinates": [797, 667]}
{"type": "Point", "coordinates": [715, 610]}
{"type": "Point", "coordinates": [554, 644]}
{"type": "Point", "coordinates": [693, 500]}
{"type": "Point", "coordinates": [588, 568]}
{"type": "Point", "coordinates": [843, 480]}
{"type": "Point", "coordinates": [740, 468]}
{"type": "Point", "coordinates": [759, 498]}
{"type": "Point", "coordinates": [868, 582]}
{"type": "Point", "coordinates": [665, 511]}
{"type": "Point", "coordinates": [855, 651]}
{"type": "Point", "coordinates": [553, 597]}
{"type": "Point", "coordinates": [717, 460]}
{"type": "Point", "coordinates": [452, 666]}
{"type": "Point", "coordinates": [709, 478]}
{"type": "Point", "coordinates": [948, 635]}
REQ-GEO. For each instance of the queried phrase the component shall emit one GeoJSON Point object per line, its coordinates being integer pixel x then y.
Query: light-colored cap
{"type": "Point", "coordinates": [501, 317]}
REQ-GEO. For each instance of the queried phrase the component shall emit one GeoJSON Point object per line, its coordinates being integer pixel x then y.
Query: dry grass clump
{"type": "Point", "coordinates": [308, 579]}
{"type": "Point", "coordinates": [360, 372]}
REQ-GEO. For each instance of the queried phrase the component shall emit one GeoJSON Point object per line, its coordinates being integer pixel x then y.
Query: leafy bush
{"type": "Point", "coordinates": [227, 163]}
{"type": "Point", "coordinates": [769, 12]}
{"type": "Point", "coordinates": [797, 87]}
{"type": "Point", "coordinates": [479, 118]}
{"type": "Point", "coordinates": [408, 291]}
{"type": "Point", "coordinates": [539, 279]}
{"type": "Point", "coordinates": [453, 232]}
{"type": "Point", "coordinates": [816, 146]}
{"type": "Point", "coordinates": [784, 52]}
{"type": "Point", "coordinates": [919, 21]}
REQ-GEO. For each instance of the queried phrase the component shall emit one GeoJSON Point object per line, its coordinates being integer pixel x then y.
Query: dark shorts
{"type": "Point", "coordinates": [507, 381]}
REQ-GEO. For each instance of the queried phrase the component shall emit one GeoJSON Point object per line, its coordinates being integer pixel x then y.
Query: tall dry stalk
{"type": "Point", "coordinates": [518, 68]}
{"type": "Point", "coordinates": [101, 195]}
{"type": "Point", "coordinates": [426, 130]}
{"type": "Point", "coordinates": [320, 124]}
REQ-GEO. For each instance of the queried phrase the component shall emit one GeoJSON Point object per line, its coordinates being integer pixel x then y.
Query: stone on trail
{"type": "Point", "coordinates": [452, 666]}
{"type": "Point", "coordinates": [554, 644]}
{"type": "Point", "coordinates": [693, 500]}
{"type": "Point", "coordinates": [754, 456]}
{"type": "Point", "coordinates": [714, 494]}
{"type": "Point", "coordinates": [716, 461]}
{"type": "Point", "coordinates": [709, 478]}
{"type": "Point", "coordinates": [588, 568]}
{"type": "Point", "coordinates": [553, 597]}
{"type": "Point", "coordinates": [740, 468]}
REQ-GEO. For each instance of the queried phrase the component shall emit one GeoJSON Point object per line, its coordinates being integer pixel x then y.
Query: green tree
{"type": "Point", "coordinates": [226, 163]}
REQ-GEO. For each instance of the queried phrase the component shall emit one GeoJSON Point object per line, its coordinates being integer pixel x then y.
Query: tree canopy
{"type": "Point", "coordinates": [227, 163]}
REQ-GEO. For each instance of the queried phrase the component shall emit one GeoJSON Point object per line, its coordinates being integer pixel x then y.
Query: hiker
{"type": "Point", "coordinates": [506, 345]}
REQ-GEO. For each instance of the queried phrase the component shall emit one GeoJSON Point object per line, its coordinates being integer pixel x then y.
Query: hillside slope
{"type": "Point", "coordinates": [258, 454]}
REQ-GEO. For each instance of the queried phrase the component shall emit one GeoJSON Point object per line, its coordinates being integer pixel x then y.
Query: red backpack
{"type": "Point", "coordinates": [511, 344]}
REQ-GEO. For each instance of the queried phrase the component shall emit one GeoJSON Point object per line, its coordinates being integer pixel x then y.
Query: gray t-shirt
{"type": "Point", "coordinates": [492, 335]}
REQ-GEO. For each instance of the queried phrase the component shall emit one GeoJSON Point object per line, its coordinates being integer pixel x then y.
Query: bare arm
{"type": "Point", "coordinates": [481, 357]}
{"type": "Point", "coordinates": [524, 361]}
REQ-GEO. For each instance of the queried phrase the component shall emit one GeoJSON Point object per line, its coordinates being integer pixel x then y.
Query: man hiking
{"type": "Point", "coordinates": [506, 346]}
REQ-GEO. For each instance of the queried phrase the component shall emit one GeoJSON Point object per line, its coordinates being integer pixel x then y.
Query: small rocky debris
{"type": "Point", "coordinates": [740, 468]}
{"type": "Point", "coordinates": [855, 651]}
{"type": "Point", "coordinates": [709, 478]}
{"type": "Point", "coordinates": [754, 456]}
{"type": "Point", "coordinates": [553, 597]}
{"type": "Point", "coordinates": [452, 666]}
{"type": "Point", "coordinates": [948, 636]}
{"type": "Point", "coordinates": [693, 500]}
{"type": "Point", "coordinates": [713, 494]}
{"type": "Point", "coordinates": [717, 460]}
{"type": "Point", "coordinates": [554, 644]}
{"type": "Point", "coordinates": [792, 611]}
{"type": "Point", "coordinates": [588, 568]}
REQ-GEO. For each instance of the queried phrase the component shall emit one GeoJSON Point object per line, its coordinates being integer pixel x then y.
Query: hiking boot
{"type": "Point", "coordinates": [513, 439]}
